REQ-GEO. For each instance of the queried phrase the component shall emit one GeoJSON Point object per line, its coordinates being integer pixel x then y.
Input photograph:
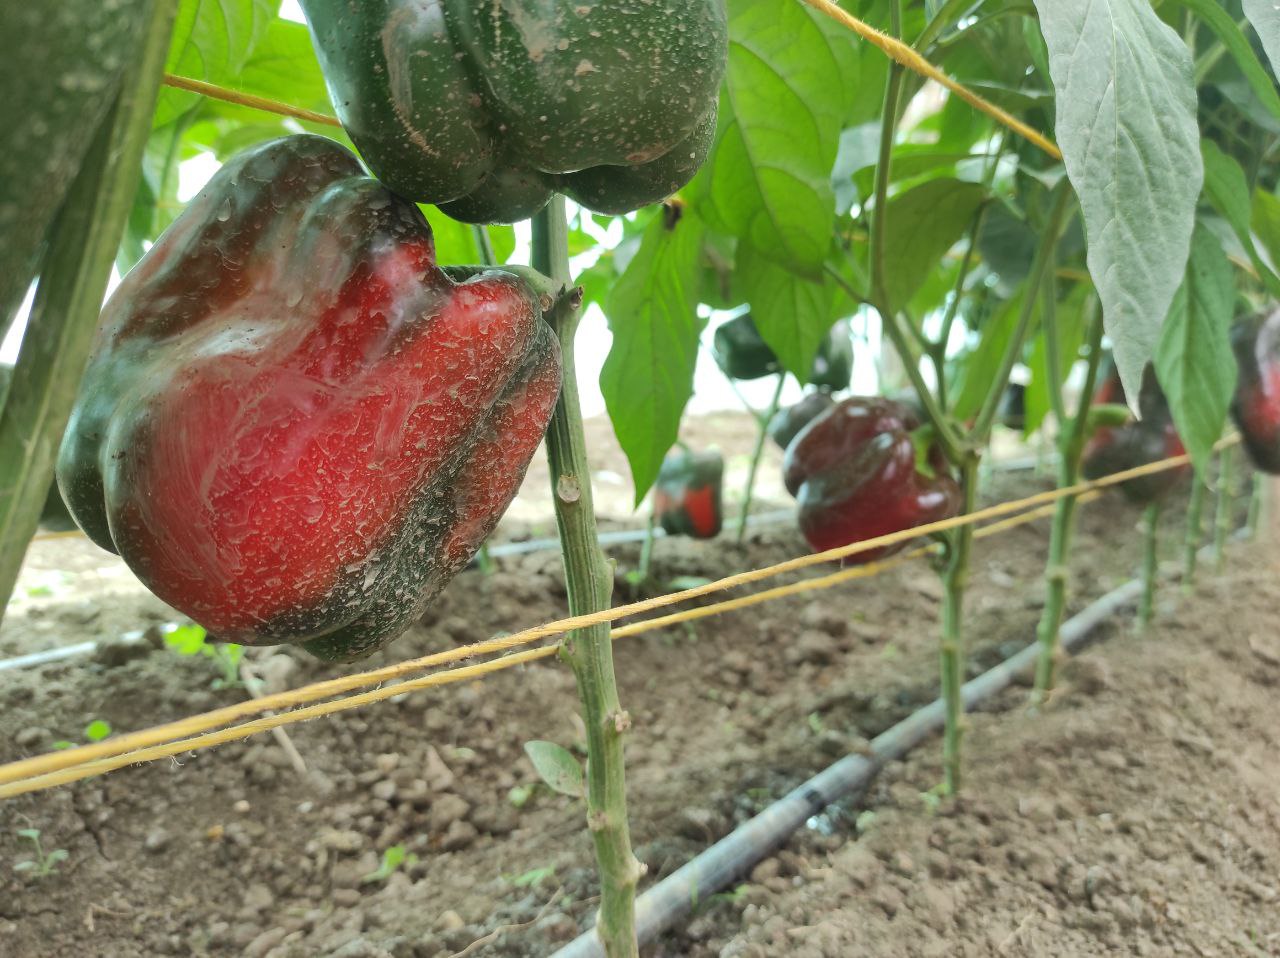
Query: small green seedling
{"type": "Point", "coordinates": [42, 865]}
{"type": "Point", "coordinates": [532, 878]}
{"type": "Point", "coordinates": [95, 731]}
{"type": "Point", "coordinates": [193, 640]}
{"type": "Point", "coordinates": [557, 767]}
{"type": "Point", "coordinates": [392, 858]}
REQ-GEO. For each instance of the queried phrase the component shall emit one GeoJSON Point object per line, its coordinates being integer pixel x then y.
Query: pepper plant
{"type": "Point", "coordinates": [835, 182]}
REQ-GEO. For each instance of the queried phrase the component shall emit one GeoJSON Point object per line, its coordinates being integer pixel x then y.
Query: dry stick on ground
{"type": "Point", "coordinates": [253, 685]}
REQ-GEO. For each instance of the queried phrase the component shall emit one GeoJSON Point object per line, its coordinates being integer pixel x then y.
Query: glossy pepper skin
{"type": "Point", "coordinates": [1256, 405]}
{"type": "Point", "coordinates": [294, 426]}
{"type": "Point", "coordinates": [1114, 449]}
{"type": "Point", "coordinates": [853, 473]}
{"type": "Point", "coordinates": [687, 497]}
{"type": "Point", "coordinates": [488, 108]}
{"type": "Point", "coordinates": [741, 352]}
{"type": "Point", "coordinates": [787, 423]}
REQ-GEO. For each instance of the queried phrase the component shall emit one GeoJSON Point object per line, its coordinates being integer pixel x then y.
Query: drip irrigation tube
{"type": "Point", "coordinates": [737, 853]}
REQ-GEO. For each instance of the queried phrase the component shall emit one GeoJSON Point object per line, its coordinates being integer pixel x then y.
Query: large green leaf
{"type": "Point", "coordinates": [652, 309]}
{"type": "Point", "coordinates": [212, 41]}
{"type": "Point", "coordinates": [1265, 17]}
{"type": "Point", "coordinates": [793, 314]}
{"type": "Point", "coordinates": [1126, 124]}
{"type": "Point", "coordinates": [922, 224]}
{"type": "Point", "coordinates": [1194, 362]}
{"type": "Point", "coordinates": [1237, 44]}
{"type": "Point", "coordinates": [768, 178]}
{"type": "Point", "coordinates": [60, 64]}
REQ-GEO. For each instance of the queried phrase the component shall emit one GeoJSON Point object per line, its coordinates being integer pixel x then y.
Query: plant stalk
{"type": "Point", "coordinates": [83, 242]}
{"type": "Point", "coordinates": [1256, 503]}
{"type": "Point", "coordinates": [1150, 563]}
{"type": "Point", "coordinates": [1070, 447]}
{"type": "Point", "coordinates": [590, 585]}
{"type": "Point", "coordinates": [951, 652]}
{"type": "Point", "coordinates": [762, 432]}
{"type": "Point", "coordinates": [1191, 546]}
{"type": "Point", "coordinates": [1223, 514]}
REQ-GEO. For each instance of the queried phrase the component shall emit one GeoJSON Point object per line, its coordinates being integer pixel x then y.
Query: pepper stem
{"type": "Point", "coordinates": [1070, 447]}
{"type": "Point", "coordinates": [1191, 545]}
{"type": "Point", "coordinates": [1222, 518]}
{"type": "Point", "coordinates": [951, 654]}
{"type": "Point", "coordinates": [1150, 563]}
{"type": "Point", "coordinates": [1257, 501]}
{"type": "Point", "coordinates": [762, 430]}
{"type": "Point", "coordinates": [589, 582]}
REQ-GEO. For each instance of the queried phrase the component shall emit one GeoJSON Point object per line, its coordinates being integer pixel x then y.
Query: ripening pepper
{"type": "Point", "coordinates": [741, 353]}
{"type": "Point", "coordinates": [787, 423]}
{"type": "Point", "coordinates": [486, 109]}
{"type": "Point", "coordinates": [853, 472]}
{"type": "Point", "coordinates": [687, 498]}
{"type": "Point", "coordinates": [295, 427]}
{"type": "Point", "coordinates": [1114, 449]}
{"type": "Point", "coordinates": [1256, 405]}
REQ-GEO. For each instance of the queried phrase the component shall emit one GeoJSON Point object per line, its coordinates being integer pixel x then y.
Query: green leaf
{"type": "Point", "coordinates": [793, 314]}
{"type": "Point", "coordinates": [652, 310]}
{"type": "Point", "coordinates": [768, 178]}
{"type": "Point", "coordinates": [212, 41]}
{"type": "Point", "coordinates": [980, 367]}
{"type": "Point", "coordinates": [1126, 124]}
{"type": "Point", "coordinates": [1219, 21]}
{"type": "Point", "coordinates": [556, 766]}
{"type": "Point", "coordinates": [186, 639]}
{"type": "Point", "coordinates": [1194, 362]}
{"type": "Point", "coordinates": [1008, 245]}
{"type": "Point", "coordinates": [1037, 401]}
{"type": "Point", "coordinates": [1264, 15]}
{"type": "Point", "coordinates": [1228, 191]}
{"type": "Point", "coordinates": [1265, 220]}
{"type": "Point", "coordinates": [97, 730]}
{"type": "Point", "coordinates": [923, 223]}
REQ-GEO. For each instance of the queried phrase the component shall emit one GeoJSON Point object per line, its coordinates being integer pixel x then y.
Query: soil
{"type": "Point", "coordinates": [1137, 813]}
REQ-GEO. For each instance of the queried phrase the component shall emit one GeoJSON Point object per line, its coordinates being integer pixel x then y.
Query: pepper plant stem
{"type": "Point", "coordinates": [1070, 447]}
{"type": "Point", "coordinates": [1255, 504]}
{"type": "Point", "coordinates": [1150, 563]}
{"type": "Point", "coordinates": [951, 653]}
{"type": "Point", "coordinates": [73, 278]}
{"type": "Point", "coordinates": [1191, 545]}
{"type": "Point", "coordinates": [590, 584]}
{"type": "Point", "coordinates": [1222, 516]}
{"type": "Point", "coordinates": [762, 431]}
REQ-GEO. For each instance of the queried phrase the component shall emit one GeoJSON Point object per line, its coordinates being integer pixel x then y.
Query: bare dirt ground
{"type": "Point", "coordinates": [1138, 814]}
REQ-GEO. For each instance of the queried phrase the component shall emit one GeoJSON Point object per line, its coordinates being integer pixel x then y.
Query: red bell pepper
{"type": "Point", "coordinates": [687, 497]}
{"type": "Point", "coordinates": [1256, 406]}
{"type": "Point", "coordinates": [295, 427]}
{"type": "Point", "coordinates": [853, 472]}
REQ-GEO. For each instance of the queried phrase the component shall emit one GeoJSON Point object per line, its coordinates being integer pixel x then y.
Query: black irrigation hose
{"type": "Point", "coordinates": [737, 853]}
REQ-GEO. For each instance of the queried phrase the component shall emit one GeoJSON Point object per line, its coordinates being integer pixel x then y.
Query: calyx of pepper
{"type": "Point", "coordinates": [295, 427]}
